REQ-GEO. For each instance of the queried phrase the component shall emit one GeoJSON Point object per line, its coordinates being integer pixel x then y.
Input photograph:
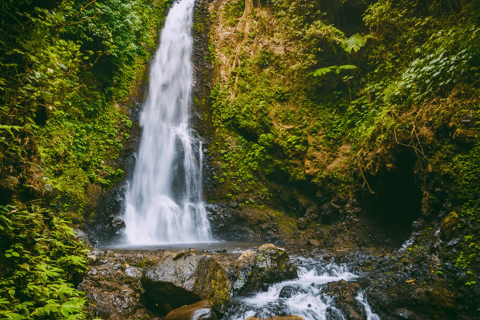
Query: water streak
{"type": "Point", "coordinates": [164, 200]}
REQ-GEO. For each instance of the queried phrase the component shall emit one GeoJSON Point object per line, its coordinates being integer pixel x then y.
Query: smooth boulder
{"type": "Point", "coordinates": [254, 270]}
{"type": "Point", "coordinates": [186, 278]}
{"type": "Point", "coordinates": [201, 310]}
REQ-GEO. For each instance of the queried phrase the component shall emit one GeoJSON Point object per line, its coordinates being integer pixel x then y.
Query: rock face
{"type": "Point", "coordinates": [255, 270]}
{"type": "Point", "coordinates": [186, 278]}
{"type": "Point", "coordinates": [112, 287]}
{"type": "Point", "coordinates": [201, 310]}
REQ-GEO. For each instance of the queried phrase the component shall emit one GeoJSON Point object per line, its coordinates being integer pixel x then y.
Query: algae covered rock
{"type": "Point", "coordinates": [255, 270]}
{"type": "Point", "coordinates": [449, 226]}
{"type": "Point", "coordinates": [184, 279]}
{"type": "Point", "coordinates": [201, 310]}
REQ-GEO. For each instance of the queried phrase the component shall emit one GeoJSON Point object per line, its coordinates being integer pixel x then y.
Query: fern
{"type": "Point", "coordinates": [354, 43]}
{"type": "Point", "coordinates": [323, 71]}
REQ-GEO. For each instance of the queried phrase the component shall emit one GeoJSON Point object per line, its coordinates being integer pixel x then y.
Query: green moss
{"type": "Point", "coordinates": [468, 166]}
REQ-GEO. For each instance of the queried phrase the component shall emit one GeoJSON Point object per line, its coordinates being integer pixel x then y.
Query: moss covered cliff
{"type": "Point", "coordinates": [343, 123]}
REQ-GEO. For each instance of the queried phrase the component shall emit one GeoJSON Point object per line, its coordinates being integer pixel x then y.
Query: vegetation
{"type": "Point", "coordinates": [40, 261]}
{"type": "Point", "coordinates": [329, 93]}
{"type": "Point", "coordinates": [69, 71]}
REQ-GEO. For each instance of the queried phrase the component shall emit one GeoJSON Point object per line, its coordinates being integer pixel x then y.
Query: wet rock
{"type": "Point", "coordinates": [290, 291]}
{"type": "Point", "coordinates": [81, 235]}
{"type": "Point", "coordinates": [133, 272]}
{"type": "Point", "coordinates": [227, 223]}
{"type": "Point", "coordinates": [453, 242]}
{"type": "Point", "coordinates": [268, 264]}
{"type": "Point", "coordinates": [405, 314]}
{"type": "Point", "coordinates": [344, 294]}
{"type": "Point", "coordinates": [243, 267]}
{"type": "Point", "coordinates": [201, 310]}
{"type": "Point", "coordinates": [186, 280]}
{"type": "Point", "coordinates": [333, 314]}
{"type": "Point", "coordinates": [117, 223]}
{"type": "Point", "coordinates": [107, 299]}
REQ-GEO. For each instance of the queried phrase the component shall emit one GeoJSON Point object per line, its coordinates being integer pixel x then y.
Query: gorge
{"type": "Point", "coordinates": [239, 158]}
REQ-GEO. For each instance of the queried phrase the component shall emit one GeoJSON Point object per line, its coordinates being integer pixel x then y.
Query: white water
{"type": "Point", "coordinates": [164, 200]}
{"type": "Point", "coordinates": [309, 300]}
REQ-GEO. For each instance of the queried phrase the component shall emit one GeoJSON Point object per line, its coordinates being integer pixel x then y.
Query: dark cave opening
{"type": "Point", "coordinates": [397, 200]}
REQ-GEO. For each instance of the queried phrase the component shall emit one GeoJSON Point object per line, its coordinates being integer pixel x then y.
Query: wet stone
{"type": "Point", "coordinates": [133, 272]}
{"type": "Point", "coordinates": [290, 291]}
{"type": "Point", "coordinates": [267, 265]}
{"type": "Point", "coordinates": [201, 310]}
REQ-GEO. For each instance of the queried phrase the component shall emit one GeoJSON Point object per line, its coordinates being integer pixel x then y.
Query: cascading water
{"type": "Point", "coordinates": [305, 296]}
{"type": "Point", "coordinates": [164, 200]}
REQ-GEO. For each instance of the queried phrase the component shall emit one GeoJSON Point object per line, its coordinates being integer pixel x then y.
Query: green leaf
{"type": "Point", "coordinates": [354, 43]}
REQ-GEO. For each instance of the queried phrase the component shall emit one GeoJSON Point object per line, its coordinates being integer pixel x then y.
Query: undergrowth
{"type": "Point", "coordinates": [41, 261]}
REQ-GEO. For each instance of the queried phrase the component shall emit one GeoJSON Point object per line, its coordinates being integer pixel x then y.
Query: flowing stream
{"type": "Point", "coordinates": [164, 200]}
{"type": "Point", "coordinates": [305, 296]}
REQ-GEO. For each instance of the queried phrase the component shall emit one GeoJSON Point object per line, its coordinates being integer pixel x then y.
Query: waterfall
{"type": "Point", "coordinates": [164, 199]}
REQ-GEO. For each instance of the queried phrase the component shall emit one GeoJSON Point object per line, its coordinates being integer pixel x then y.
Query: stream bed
{"type": "Point", "coordinates": [327, 287]}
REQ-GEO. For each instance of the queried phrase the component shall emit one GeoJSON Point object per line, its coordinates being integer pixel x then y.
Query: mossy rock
{"type": "Point", "coordinates": [449, 226]}
{"type": "Point", "coordinates": [267, 265]}
{"type": "Point", "coordinates": [179, 280]}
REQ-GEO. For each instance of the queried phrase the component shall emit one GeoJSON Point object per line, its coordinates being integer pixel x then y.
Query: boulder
{"type": "Point", "coordinates": [290, 291]}
{"type": "Point", "coordinates": [268, 264]}
{"type": "Point", "coordinates": [184, 279]}
{"type": "Point", "coordinates": [201, 310]}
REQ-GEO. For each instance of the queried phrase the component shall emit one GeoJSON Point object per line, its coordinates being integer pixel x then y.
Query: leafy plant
{"type": "Point", "coordinates": [354, 43]}
{"type": "Point", "coordinates": [323, 71]}
{"type": "Point", "coordinates": [42, 261]}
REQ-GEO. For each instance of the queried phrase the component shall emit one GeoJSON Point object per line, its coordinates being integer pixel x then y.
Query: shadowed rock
{"type": "Point", "coordinates": [176, 281]}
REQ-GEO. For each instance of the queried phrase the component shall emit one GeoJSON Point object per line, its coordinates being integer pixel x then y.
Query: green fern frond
{"type": "Point", "coordinates": [354, 43]}
{"type": "Point", "coordinates": [323, 71]}
{"type": "Point", "coordinates": [347, 67]}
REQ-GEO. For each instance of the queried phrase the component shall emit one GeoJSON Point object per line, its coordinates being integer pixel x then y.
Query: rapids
{"type": "Point", "coordinates": [305, 296]}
